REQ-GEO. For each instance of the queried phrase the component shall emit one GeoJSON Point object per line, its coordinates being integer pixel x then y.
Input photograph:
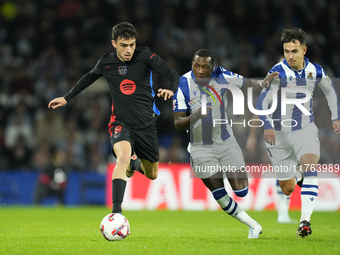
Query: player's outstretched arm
{"type": "Point", "coordinates": [336, 126]}
{"type": "Point", "coordinates": [269, 78]}
{"type": "Point", "coordinates": [265, 83]}
{"type": "Point", "coordinates": [166, 93]}
{"type": "Point", "coordinates": [57, 102]}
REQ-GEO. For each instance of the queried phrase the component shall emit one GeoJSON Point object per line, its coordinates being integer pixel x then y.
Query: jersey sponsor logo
{"type": "Point", "coordinates": [127, 87]}
{"type": "Point", "coordinates": [213, 90]}
{"type": "Point", "coordinates": [122, 70]}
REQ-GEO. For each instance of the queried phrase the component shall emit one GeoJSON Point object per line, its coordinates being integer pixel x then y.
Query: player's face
{"type": "Point", "coordinates": [294, 53]}
{"type": "Point", "coordinates": [202, 68]}
{"type": "Point", "coordinates": [125, 48]}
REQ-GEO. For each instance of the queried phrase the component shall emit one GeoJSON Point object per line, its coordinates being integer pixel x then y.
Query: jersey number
{"type": "Point", "coordinates": [118, 129]}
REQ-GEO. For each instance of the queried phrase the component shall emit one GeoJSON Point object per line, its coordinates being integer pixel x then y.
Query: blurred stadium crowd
{"type": "Point", "coordinates": [47, 45]}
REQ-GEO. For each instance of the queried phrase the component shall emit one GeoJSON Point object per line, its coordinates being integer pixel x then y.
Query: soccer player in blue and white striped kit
{"type": "Point", "coordinates": [294, 137]}
{"type": "Point", "coordinates": [213, 146]}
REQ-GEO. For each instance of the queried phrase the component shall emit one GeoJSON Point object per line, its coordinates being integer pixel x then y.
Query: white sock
{"type": "Point", "coordinates": [283, 202]}
{"type": "Point", "coordinates": [246, 219]}
{"type": "Point", "coordinates": [309, 193]}
{"type": "Point", "coordinates": [231, 207]}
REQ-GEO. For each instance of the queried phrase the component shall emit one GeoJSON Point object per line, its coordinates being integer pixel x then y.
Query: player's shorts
{"type": "Point", "coordinates": [207, 160]}
{"type": "Point", "coordinates": [144, 142]}
{"type": "Point", "coordinates": [290, 146]}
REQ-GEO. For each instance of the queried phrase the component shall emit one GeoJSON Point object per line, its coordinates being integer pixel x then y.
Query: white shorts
{"type": "Point", "coordinates": [290, 146]}
{"type": "Point", "coordinates": [207, 160]}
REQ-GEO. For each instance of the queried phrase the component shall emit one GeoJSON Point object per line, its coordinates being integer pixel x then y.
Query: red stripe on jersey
{"type": "Point", "coordinates": [153, 55]}
{"type": "Point", "coordinates": [113, 119]}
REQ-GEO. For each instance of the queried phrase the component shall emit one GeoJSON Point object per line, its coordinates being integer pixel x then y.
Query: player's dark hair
{"type": "Point", "coordinates": [292, 35]}
{"type": "Point", "coordinates": [204, 53]}
{"type": "Point", "coordinates": [124, 30]}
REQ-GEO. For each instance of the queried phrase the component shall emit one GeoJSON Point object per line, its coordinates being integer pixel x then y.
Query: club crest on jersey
{"type": "Point", "coordinates": [310, 76]}
{"type": "Point", "coordinates": [122, 70]}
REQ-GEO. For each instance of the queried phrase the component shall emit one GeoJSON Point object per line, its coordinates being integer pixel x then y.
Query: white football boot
{"type": "Point", "coordinates": [255, 232]}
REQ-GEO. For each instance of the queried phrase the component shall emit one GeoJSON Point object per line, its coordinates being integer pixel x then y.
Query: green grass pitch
{"type": "Point", "coordinates": [30, 230]}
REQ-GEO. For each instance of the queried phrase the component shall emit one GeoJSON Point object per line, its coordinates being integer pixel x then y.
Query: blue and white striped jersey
{"type": "Point", "coordinates": [307, 78]}
{"type": "Point", "coordinates": [188, 99]}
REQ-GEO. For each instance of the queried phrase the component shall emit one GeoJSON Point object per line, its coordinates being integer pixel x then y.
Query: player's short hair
{"type": "Point", "coordinates": [292, 35]}
{"type": "Point", "coordinates": [124, 30]}
{"type": "Point", "coordinates": [204, 53]}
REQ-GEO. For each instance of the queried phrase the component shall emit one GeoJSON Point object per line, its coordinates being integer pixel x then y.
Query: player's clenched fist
{"type": "Point", "coordinates": [336, 126]}
{"type": "Point", "coordinates": [57, 102]}
{"type": "Point", "coordinates": [269, 136]}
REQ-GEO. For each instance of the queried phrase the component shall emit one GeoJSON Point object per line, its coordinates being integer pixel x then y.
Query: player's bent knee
{"type": "Point", "coordinates": [123, 159]}
{"type": "Point", "coordinates": [287, 187]}
{"type": "Point", "coordinates": [152, 176]}
{"type": "Point", "coordinates": [287, 190]}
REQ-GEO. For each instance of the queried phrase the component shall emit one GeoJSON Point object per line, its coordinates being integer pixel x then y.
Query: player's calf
{"type": "Point", "coordinates": [152, 174]}
{"type": "Point", "coordinates": [150, 169]}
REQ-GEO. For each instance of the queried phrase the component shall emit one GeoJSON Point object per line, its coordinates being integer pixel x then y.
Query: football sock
{"type": "Point", "coordinates": [231, 207]}
{"type": "Point", "coordinates": [283, 202]}
{"type": "Point", "coordinates": [309, 193]}
{"type": "Point", "coordinates": [118, 190]}
{"type": "Point", "coordinates": [298, 176]}
{"type": "Point", "coordinates": [241, 192]}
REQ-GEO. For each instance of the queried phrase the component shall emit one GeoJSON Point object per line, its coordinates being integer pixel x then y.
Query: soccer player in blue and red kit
{"type": "Point", "coordinates": [128, 72]}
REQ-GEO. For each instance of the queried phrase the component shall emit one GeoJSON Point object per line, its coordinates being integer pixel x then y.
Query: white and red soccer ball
{"type": "Point", "coordinates": [115, 227]}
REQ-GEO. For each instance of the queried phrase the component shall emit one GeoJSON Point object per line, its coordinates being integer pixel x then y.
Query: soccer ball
{"type": "Point", "coordinates": [115, 227]}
